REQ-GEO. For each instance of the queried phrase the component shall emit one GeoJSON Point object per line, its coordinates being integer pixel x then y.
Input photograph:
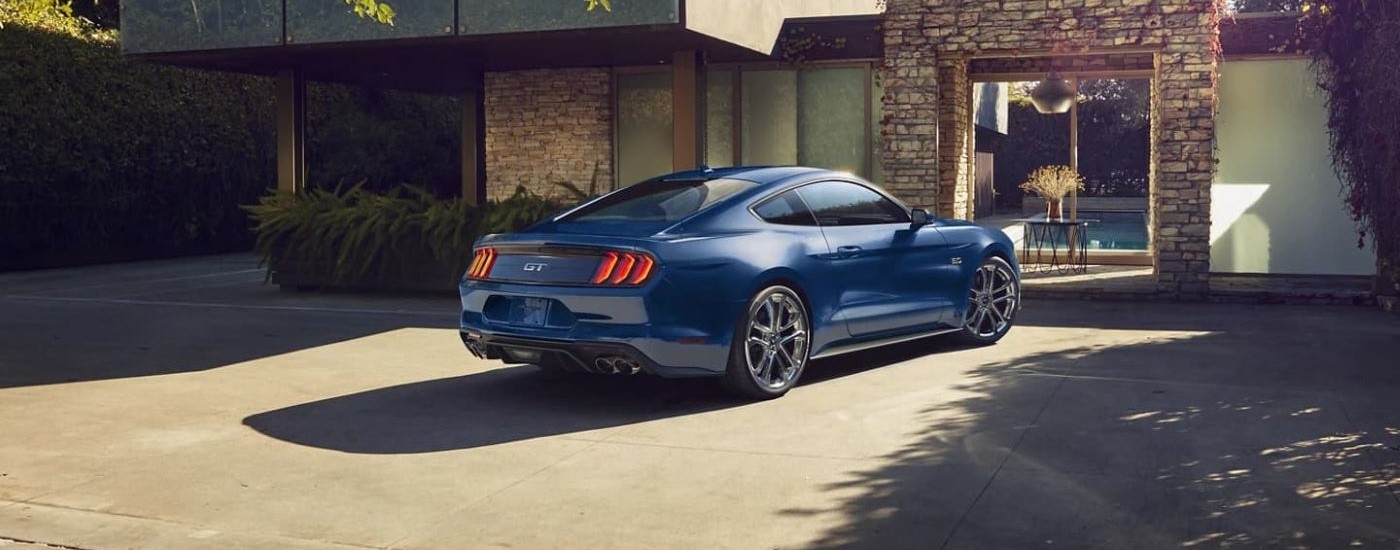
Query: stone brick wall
{"type": "Point", "coordinates": [547, 126]}
{"type": "Point", "coordinates": [926, 40]}
{"type": "Point", "coordinates": [955, 155]}
{"type": "Point", "coordinates": [909, 123]}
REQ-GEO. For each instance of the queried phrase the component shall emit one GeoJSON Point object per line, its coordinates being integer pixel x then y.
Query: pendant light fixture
{"type": "Point", "coordinates": [1053, 96]}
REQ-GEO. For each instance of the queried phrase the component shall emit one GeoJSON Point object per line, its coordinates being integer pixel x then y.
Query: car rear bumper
{"type": "Point", "coordinates": [608, 331]}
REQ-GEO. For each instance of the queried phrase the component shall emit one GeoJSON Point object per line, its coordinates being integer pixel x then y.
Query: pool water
{"type": "Point", "coordinates": [1115, 230]}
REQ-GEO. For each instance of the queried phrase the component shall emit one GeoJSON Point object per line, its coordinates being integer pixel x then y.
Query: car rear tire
{"type": "Point", "coordinates": [772, 344]}
{"type": "Point", "coordinates": [993, 299]}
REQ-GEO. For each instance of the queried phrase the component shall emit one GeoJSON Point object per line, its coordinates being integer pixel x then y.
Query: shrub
{"type": "Point", "coordinates": [356, 237]}
{"type": "Point", "coordinates": [107, 159]}
{"type": "Point", "coordinates": [1355, 46]}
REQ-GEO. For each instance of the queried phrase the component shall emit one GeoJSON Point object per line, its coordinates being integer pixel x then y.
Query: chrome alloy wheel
{"type": "Point", "coordinates": [993, 300]}
{"type": "Point", "coordinates": [776, 341]}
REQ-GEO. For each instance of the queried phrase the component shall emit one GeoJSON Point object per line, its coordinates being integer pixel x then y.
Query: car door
{"type": "Point", "coordinates": [882, 263]}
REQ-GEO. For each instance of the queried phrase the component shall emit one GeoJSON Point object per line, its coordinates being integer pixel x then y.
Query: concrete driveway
{"type": "Point", "coordinates": [184, 405]}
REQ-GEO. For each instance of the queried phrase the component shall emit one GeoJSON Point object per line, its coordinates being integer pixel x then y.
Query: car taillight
{"type": "Point", "coordinates": [481, 263]}
{"type": "Point", "coordinates": [624, 268]}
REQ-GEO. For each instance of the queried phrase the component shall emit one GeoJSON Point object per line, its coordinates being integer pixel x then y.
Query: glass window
{"type": "Point", "coordinates": [322, 21]}
{"type": "Point", "coordinates": [844, 203]}
{"type": "Point", "coordinates": [644, 137]}
{"type": "Point", "coordinates": [877, 113]}
{"type": "Point", "coordinates": [785, 209]}
{"type": "Point", "coordinates": [719, 118]}
{"type": "Point", "coordinates": [831, 119]}
{"type": "Point", "coordinates": [165, 26]}
{"type": "Point", "coordinates": [769, 117]}
{"type": "Point", "coordinates": [479, 17]}
{"type": "Point", "coordinates": [659, 201]}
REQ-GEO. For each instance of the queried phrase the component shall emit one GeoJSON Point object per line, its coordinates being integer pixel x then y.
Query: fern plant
{"type": "Point", "coordinates": [349, 236]}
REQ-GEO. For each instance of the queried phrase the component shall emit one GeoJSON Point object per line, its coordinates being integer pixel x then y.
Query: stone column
{"type": "Point", "coordinates": [1184, 121]}
{"type": "Point", "coordinates": [954, 139]}
{"type": "Point", "coordinates": [909, 127]}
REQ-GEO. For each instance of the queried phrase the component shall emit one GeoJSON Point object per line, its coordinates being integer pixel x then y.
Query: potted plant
{"type": "Point", "coordinates": [1052, 183]}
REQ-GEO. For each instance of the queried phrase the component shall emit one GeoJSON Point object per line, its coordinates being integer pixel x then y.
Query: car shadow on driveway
{"type": "Point", "coordinates": [517, 403]}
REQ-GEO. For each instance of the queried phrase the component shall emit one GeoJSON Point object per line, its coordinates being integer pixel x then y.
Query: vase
{"type": "Point", "coordinates": [1053, 210]}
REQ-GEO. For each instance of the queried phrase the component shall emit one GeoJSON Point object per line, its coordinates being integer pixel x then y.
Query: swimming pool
{"type": "Point", "coordinates": [1114, 230]}
{"type": "Point", "coordinates": [1117, 230]}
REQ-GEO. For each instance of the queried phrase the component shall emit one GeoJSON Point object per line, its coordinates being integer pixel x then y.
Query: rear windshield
{"type": "Point", "coordinates": [659, 201]}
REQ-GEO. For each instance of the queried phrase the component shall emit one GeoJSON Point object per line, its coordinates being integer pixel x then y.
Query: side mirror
{"type": "Point", "coordinates": [920, 216]}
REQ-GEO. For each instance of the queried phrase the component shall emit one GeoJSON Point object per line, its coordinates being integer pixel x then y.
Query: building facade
{"type": "Point", "coordinates": [592, 95]}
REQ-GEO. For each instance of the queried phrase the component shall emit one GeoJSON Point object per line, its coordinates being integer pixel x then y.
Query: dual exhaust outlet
{"type": "Point", "coordinates": [613, 364]}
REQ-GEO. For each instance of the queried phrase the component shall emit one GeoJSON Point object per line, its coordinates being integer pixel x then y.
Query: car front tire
{"type": "Point", "coordinates": [993, 299]}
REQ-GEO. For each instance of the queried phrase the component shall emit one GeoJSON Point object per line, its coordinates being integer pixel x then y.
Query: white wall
{"type": "Point", "coordinates": [1275, 202]}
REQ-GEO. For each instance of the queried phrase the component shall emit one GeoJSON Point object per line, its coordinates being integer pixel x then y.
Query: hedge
{"type": "Point", "coordinates": [107, 159]}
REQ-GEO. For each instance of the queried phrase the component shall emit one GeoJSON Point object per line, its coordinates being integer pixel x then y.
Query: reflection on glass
{"type": "Point", "coordinates": [484, 16]}
{"type": "Point", "coordinates": [831, 119]}
{"type": "Point", "coordinates": [644, 136]}
{"type": "Point", "coordinates": [310, 21]}
{"type": "Point", "coordinates": [770, 117]}
{"type": "Point", "coordinates": [719, 115]}
{"type": "Point", "coordinates": [181, 25]}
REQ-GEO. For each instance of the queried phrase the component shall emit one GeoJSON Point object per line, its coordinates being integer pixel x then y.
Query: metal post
{"type": "Point", "coordinates": [473, 152]}
{"type": "Point", "coordinates": [291, 131]}
{"type": "Point", "coordinates": [1074, 147]}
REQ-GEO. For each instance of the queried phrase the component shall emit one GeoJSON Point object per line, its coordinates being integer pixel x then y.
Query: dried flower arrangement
{"type": "Point", "coordinates": [1052, 183]}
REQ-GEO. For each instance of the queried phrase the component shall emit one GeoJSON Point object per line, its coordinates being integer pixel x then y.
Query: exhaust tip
{"type": "Point", "coordinates": [612, 364]}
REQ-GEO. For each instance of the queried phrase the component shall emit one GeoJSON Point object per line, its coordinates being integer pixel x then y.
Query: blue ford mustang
{"type": "Point", "coordinates": [741, 273]}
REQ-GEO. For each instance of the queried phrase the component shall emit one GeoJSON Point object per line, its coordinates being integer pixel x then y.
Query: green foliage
{"type": "Point", "coordinates": [370, 9]}
{"type": "Point", "coordinates": [107, 159]}
{"type": "Point", "coordinates": [1356, 48]}
{"type": "Point", "coordinates": [352, 236]}
{"type": "Point", "coordinates": [594, 188]}
{"type": "Point", "coordinates": [1114, 137]}
{"type": "Point", "coordinates": [387, 138]}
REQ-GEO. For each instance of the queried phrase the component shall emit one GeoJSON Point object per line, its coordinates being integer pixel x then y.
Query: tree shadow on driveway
{"type": "Point", "coordinates": [1273, 431]}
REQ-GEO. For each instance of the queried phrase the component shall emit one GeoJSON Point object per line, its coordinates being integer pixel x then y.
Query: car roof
{"type": "Point", "coordinates": [761, 175]}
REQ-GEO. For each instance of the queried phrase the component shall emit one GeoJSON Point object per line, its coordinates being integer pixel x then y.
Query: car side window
{"type": "Point", "coordinates": [785, 209]}
{"type": "Point", "coordinates": [844, 203]}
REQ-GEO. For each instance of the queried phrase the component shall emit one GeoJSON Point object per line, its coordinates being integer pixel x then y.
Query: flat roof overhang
{"type": "Point", "coordinates": [451, 65]}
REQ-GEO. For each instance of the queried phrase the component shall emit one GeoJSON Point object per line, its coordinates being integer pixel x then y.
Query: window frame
{"type": "Point", "coordinates": [905, 208]}
{"type": "Point", "coordinates": [775, 196]}
{"type": "Point", "coordinates": [590, 207]}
